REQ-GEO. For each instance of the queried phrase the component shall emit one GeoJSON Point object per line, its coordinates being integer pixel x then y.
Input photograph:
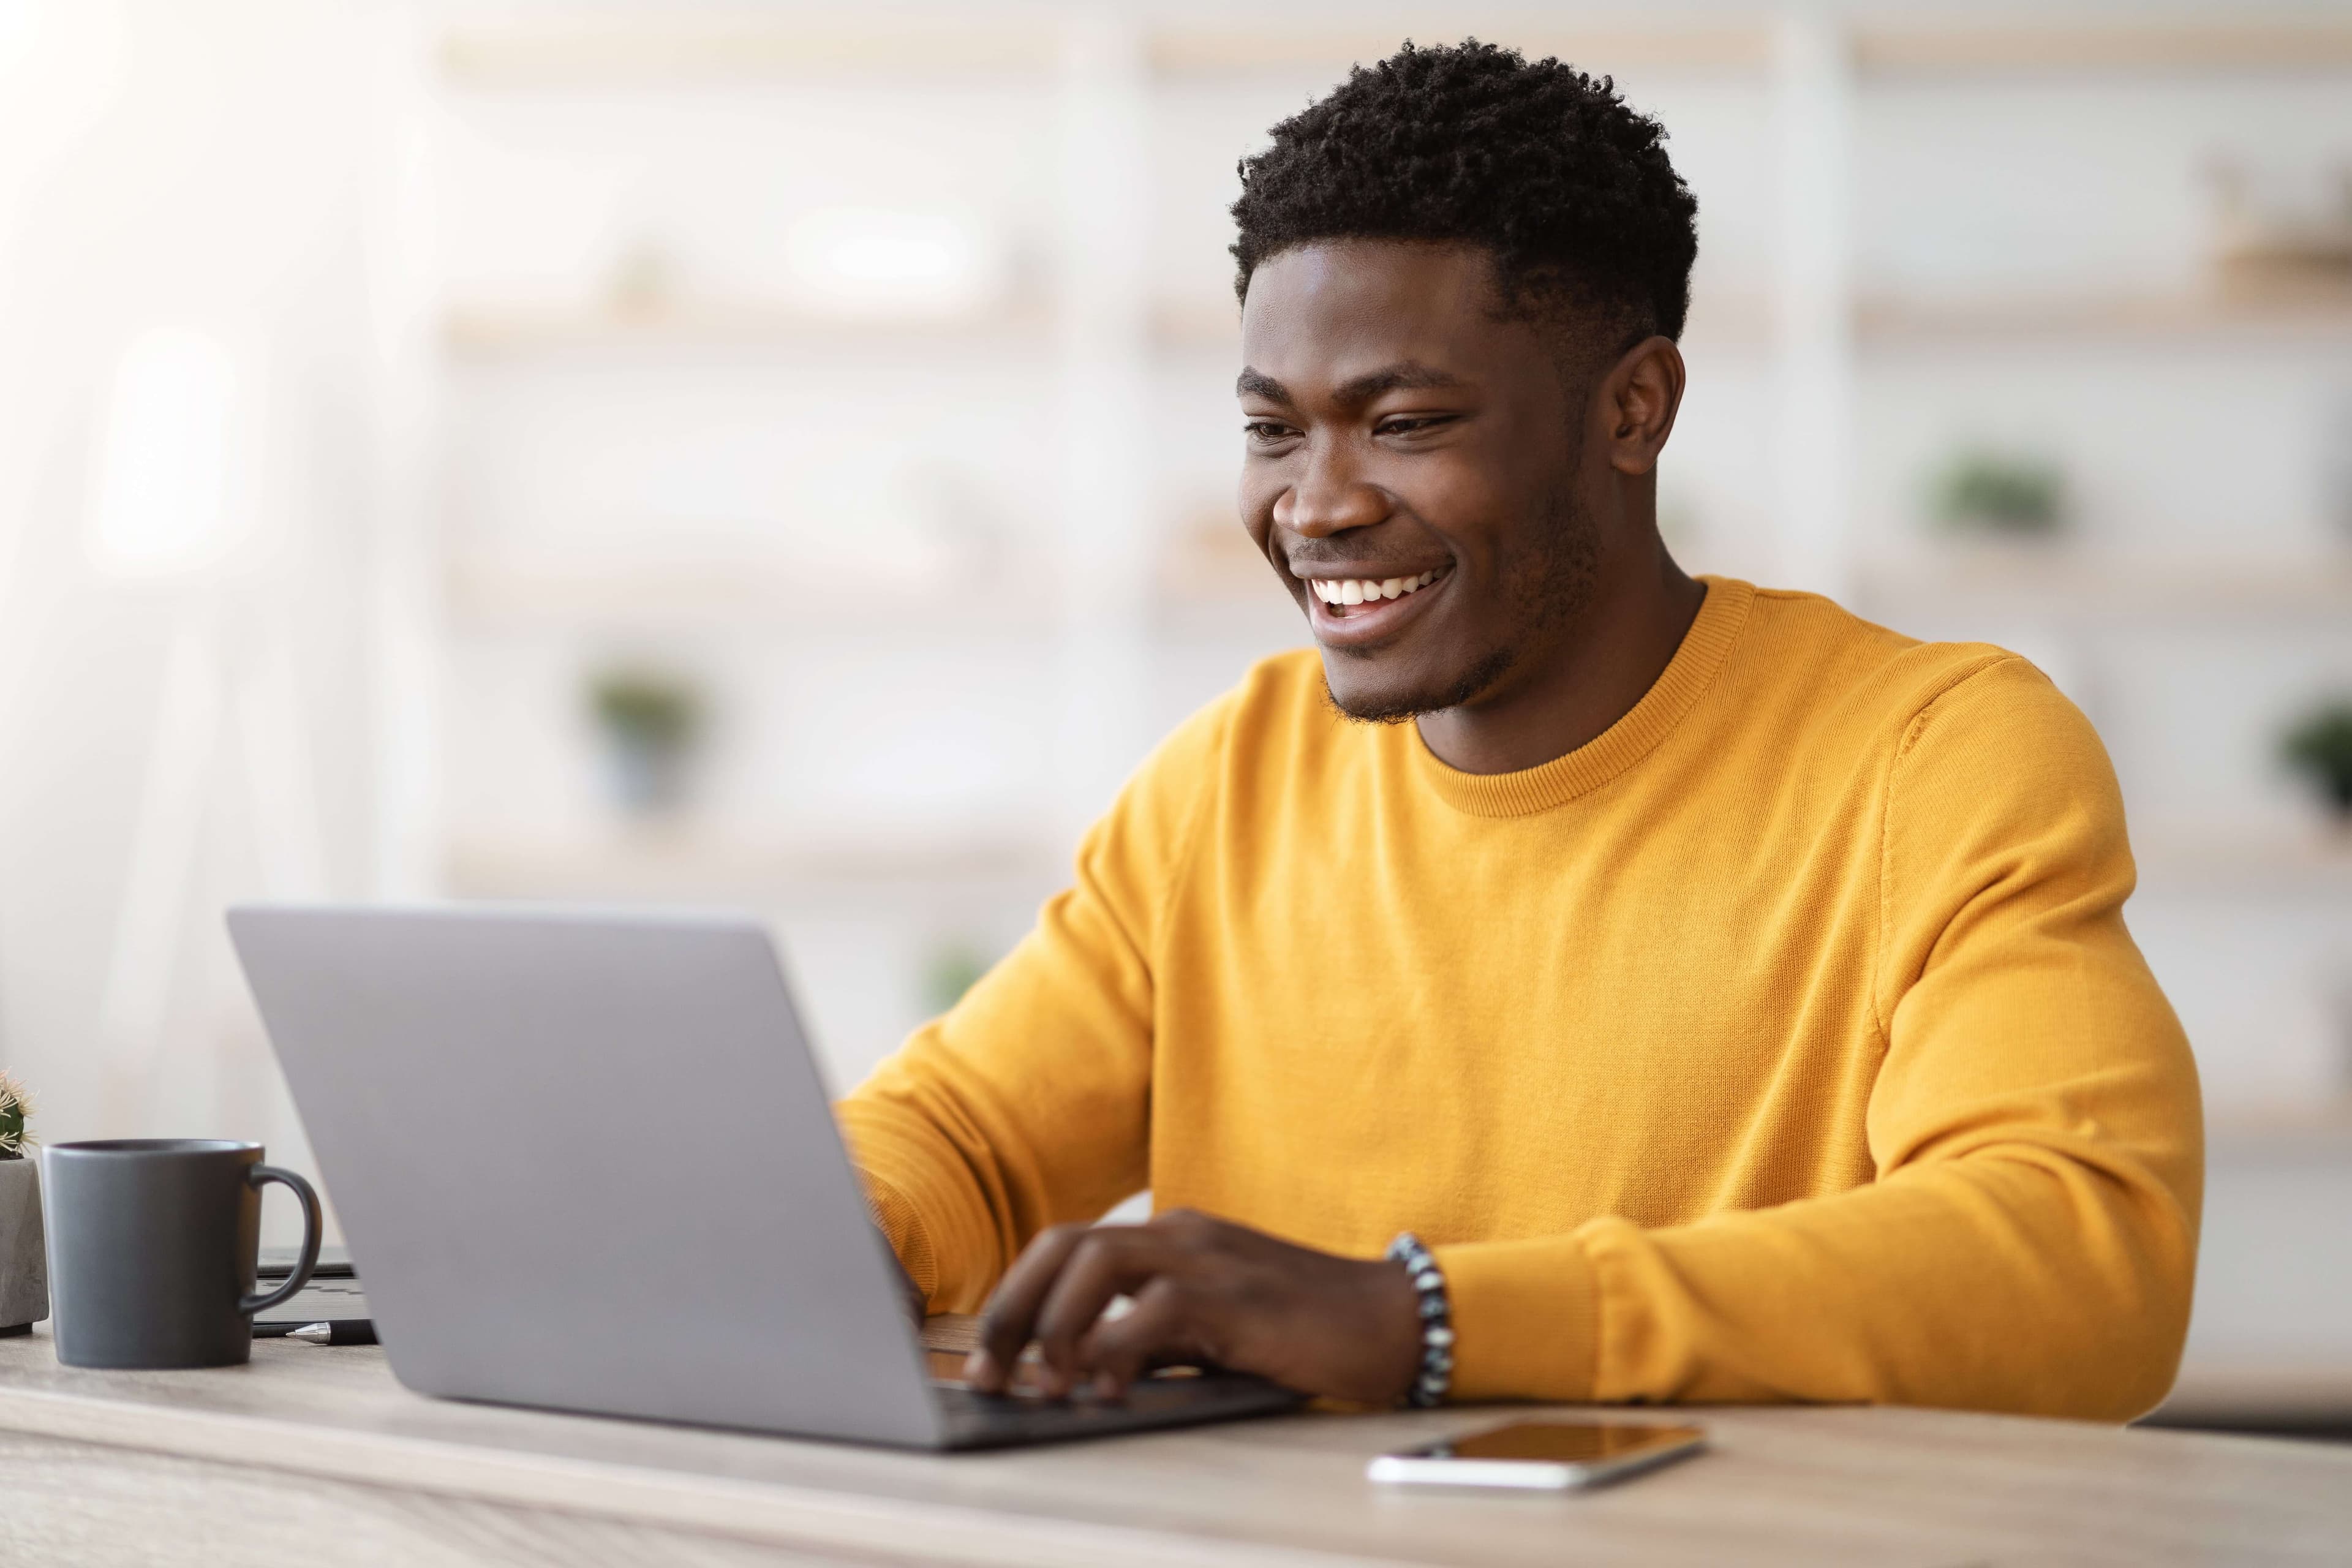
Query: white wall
{"type": "Point", "coordinates": [178, 741]}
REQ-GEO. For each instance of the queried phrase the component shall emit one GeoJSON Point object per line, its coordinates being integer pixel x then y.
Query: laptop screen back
{"type": "Point", "coordinates": [585, 1161]}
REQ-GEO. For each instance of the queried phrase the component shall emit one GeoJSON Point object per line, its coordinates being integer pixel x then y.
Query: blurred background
{"type": "Point", "coordinates": [782, 457]}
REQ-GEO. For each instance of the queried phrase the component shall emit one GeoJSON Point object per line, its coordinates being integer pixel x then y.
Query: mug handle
{"type": "Point", "coordinates": [254, 1176]}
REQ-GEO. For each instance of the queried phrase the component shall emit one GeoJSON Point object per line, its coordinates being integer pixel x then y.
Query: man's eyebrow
{"type": "Point", "coordinates": [1405, 375]}
{"type": "Point", "coordinates": [1251, 383]}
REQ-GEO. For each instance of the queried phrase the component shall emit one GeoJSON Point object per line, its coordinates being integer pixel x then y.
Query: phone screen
{"type": "Point", "coordinates": [1561, 1442]}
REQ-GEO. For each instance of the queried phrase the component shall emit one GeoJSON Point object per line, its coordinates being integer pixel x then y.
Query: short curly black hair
{"type": "Point", "coordinates": [1539, 164]}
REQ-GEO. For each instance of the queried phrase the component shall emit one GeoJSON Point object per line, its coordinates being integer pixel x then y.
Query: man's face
{"type": "Point", "coordinates": [1412, 468]}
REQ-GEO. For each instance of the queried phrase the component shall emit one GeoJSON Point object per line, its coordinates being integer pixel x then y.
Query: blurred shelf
{"type": "Point", "coordinates": [770, 592]}
{"type": "Point", "coordinates": [690, 48]}
{"type": "Point", "coordinates": [686, 861]}
{"type": "Point", "coordinates": [1209, 324]}
{"type": "Point", "coordinates": [2062, 584]}
{"type": "Point", "coordinates": [1180, 53]}
{"type": "Point", "coordinates": [2322, 1126]}
{"type": "Point", "coordinates": [2319, 316]}
{"type": "Point", "coordinates": [693, 47]}
{"type": "Point", "coordinates": [2176, 861]}
{"type": "Point", "coordinates": [1891, 51]}
{"type": "Point", "coordinates": [487, 333]}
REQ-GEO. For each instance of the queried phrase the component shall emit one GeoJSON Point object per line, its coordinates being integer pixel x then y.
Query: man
{"type": "Point", "coordinates": [1733, 995]}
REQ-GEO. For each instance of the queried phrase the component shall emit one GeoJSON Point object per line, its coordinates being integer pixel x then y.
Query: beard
{"type": "Point", "coordinates": [1550, 586]}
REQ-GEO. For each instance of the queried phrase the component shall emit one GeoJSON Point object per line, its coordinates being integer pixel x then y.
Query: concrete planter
{"type": "Point", "coordinates": [24, 1266]}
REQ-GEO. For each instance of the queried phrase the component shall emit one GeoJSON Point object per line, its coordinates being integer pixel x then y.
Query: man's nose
{"type": "Point", "coordinates": [1329, 497]}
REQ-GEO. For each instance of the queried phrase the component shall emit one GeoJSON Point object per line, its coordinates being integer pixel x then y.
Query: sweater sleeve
{"type": "Point", "coordinates": [1028, 1104]}
{"type": "Point", "coordinates": [2030, 1241]}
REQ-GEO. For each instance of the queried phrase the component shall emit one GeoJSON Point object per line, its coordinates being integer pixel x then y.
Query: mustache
{"type": "Point", "coordinates": [1298, 560]}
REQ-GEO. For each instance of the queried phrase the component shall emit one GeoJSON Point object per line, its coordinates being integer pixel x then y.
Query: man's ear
{"type": "Point", "coordinates": [1639, 397]}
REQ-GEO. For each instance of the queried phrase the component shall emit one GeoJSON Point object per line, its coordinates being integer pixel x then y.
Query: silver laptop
{"type": "Point", "coordinates": [585, 1161]}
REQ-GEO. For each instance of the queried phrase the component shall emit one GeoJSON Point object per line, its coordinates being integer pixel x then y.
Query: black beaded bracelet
{"type": "Point", "coordinates": [1436, 1374]}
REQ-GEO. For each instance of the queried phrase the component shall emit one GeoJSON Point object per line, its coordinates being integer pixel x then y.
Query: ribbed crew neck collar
{"type": "Point", "coordinates": [1669, 699]}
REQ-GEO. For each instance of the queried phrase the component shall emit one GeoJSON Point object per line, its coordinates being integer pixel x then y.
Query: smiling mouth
{"type": "Point", "coordinates": [1344, 594]}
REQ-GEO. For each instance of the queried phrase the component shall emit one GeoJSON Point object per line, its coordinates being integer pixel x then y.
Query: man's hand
{"type": "Point", "coordinates": [1205, 1291]}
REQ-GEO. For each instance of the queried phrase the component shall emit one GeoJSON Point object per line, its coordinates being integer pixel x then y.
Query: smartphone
{"type": "Point", "coordinates": [1540, 1455]}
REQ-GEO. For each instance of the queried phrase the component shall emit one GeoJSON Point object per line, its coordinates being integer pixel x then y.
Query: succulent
{"type": "Point", "coordinates": [16, 1104]}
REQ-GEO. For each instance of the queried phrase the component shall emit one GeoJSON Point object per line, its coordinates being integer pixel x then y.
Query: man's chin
{"type": "Point", "coordinates": [1359, 696]}
{"type": "Point", "coordinates": [1365, 708]}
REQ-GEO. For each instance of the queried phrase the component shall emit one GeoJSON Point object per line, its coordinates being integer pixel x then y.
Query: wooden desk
{"type": "Point", "coordinates": [314, 1456]}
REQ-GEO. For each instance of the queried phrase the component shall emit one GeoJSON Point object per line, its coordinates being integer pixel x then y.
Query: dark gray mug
{"type": "Point", "coordinates": [151, 1249]}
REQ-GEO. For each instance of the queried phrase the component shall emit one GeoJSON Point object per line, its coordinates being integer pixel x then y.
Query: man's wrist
{"type": "Point", "coordinates": [1433, 1322]}
{"type": "Point", "coordinates": [1391, 1354]}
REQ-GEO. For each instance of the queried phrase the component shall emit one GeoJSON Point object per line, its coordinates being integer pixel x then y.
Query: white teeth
{"type": "Point", "coordinates": [1365, 590]}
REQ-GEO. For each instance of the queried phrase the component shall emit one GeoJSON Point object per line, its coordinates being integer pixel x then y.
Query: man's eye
{"type": "Point", "coordinates": [1266, 432]}
{"type": "Point", "coordinates": [1413, 424]}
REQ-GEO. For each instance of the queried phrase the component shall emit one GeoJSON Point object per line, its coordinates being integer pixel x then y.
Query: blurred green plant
{"type": "Point", "coordinates": [948, 971]}
{"type": "Point", "coordinates": [650, 721]}
{"type": "Point", "coordinates": [16, 1104]}
{"type": "Point", "coordinates": [1990, 492]}
{"type": "Point", "coordinates": [2320, 747]}
{"type": "Point", "coordinates": [647, 709]}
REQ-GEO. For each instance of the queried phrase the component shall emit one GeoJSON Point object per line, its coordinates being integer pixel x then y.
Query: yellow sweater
{"type": "Point", "coordinates": [1785, 1042]}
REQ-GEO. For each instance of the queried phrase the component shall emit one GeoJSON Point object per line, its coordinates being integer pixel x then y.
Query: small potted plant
{"type": "Point", "coordinates": [2320, 748]}
{"type": "Point", "coordinates": [24, 1266]}
{"type": "Point", "coordinates": [2000, 496]}
{"type": "Point", "coordinates": [650, 721]}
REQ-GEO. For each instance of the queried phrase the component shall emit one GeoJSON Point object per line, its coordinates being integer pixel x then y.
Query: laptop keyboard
{"type": "Point", "coordinates": [983, 1420]}
{"type": "Point", "coordinates": [1175, 1397]}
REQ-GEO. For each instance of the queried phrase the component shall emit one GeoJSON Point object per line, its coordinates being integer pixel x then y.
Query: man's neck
{"type": "Point", "coordinates": [1591, 679]}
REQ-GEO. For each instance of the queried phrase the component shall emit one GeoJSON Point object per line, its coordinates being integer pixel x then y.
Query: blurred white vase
{"type": "Point", "coordinates": [645, 777]}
